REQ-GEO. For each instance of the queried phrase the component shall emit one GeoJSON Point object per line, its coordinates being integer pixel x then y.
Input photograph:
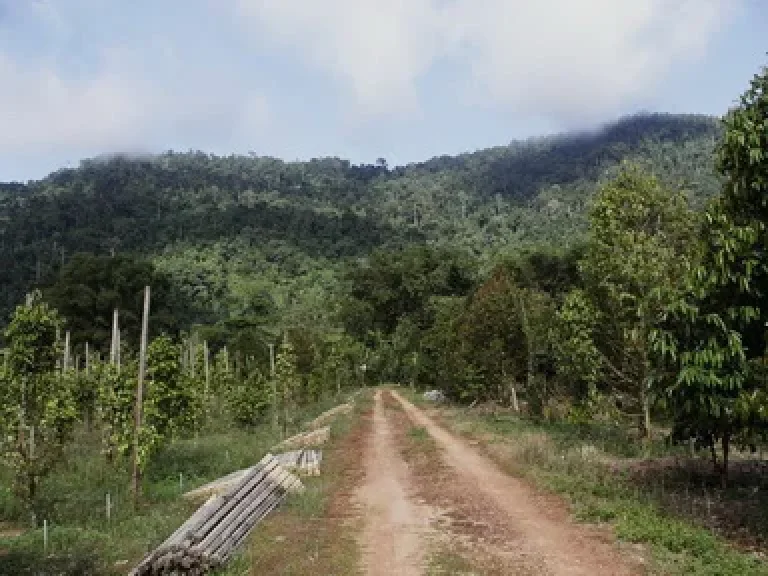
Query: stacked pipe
{"type": "Point", "coordinates": [306, 462]}
{"type": "Point", "coordinates": [209, 538]}
{"type": "Point", "coordinates": [306, 439]}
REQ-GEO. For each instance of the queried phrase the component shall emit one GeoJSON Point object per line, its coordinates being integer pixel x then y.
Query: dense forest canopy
{"type": "Point", "coordinates": [233, 230]}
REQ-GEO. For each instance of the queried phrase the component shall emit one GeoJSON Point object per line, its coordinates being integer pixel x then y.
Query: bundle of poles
{"type": "Point", "coordinates": [305, 462]}
{"type": "Point", "coordinates": [209, 538]}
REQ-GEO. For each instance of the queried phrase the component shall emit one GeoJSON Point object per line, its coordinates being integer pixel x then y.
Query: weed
{"type": "Point", "coordinates": [592, 467]}
{"type": "Point", "coordinates": [450, 562]}
{"type": "Point", "coordinates": [73, 500]}
{"type": "Point", "coordinates": [418, 434]}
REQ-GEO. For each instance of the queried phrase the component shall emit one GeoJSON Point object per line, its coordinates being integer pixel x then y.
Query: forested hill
{"type": "Point", "coordinates": [233, 229]}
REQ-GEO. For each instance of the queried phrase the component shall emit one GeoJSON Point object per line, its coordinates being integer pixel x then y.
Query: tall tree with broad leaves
{"type": "Point", "coordinates": [712, 346]}
{"type": "Point", "coordinates": [639, 239]}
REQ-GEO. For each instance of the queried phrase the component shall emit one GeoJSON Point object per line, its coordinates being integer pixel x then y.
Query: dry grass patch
{"type": "Point", "coordinates": [316, 532]}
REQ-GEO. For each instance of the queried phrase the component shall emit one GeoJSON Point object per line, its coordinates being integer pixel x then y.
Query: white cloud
{"type": "Point", "coordinates": [44, 109]}
{"type": "Point", "coordinates": [377, 49]}
{"type": "Point", "coordinates": [563, 59]}
{"type": "Point", "coordinates": [141, 95]}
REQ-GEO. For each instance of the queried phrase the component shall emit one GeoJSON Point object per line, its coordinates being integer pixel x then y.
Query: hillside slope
{"type": "Point", "coordinates": [228, 228]}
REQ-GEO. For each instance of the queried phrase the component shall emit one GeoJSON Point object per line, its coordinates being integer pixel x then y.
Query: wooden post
{"type": "Point", "coordinates": [183, 356]}
{"type": "Point", "coordinates": [206, 367]}
{"type": "Point", "coordinates": [87, 359]}
{"type": "Point", "coordinates": [193, 354]}
{"type": "Point", "coordinates": [66, 351]}
{"type": "Point", "coordinates": [646, 412]}
{"type": "Point", "coordinates": [117, 348]}
{"type": "Point", "coordinates": [113, 347]}
{"type": "Point", "coordinates": [226, 360]}
{"type": "Point", "coordinates": [273, 382]}
{"type": "Point", "coordinates": [139, 397]}
{"type": "Point", "coordinates": [58, 339]}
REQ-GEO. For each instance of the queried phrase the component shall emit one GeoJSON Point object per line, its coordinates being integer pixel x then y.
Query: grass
{"type": "Point", "coordinates": [596, 469]}
{"type": "Point", "coordinates": [72, 500]}
{"type": "Point", "coordinates": [315, 533]}
{"type": "Point", "coordinates": [446, 561]}
{"type": "Point", "coordinates": [419, 434]}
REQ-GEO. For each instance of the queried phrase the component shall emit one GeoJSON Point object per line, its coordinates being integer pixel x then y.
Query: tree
{"type": "Point", "coordinates": [115, 405]}
{"type": "Point", "coordinates": [288, 382]}
{"type": "Point", "coordinates": [175, 398]}
{"type": "Point", "coordinates": [89, 288]}
{"type": "Point", "coordinates": [577, 358]}
{"type": "Point", "coordinates": [249, 400]}
{"type": "Point", "coordinates": [39, 408]}
{"type": "Point", "coordinates": [493, 338]}
{"type": "Point", "coordinates": [639, 241]}
{"type": "Point", "coordinates": [712, 345]}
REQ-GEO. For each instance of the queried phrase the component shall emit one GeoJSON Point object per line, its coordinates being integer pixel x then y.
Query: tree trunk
{"type": "Point", "coordinates": [513, 395]}
{"type": "Point", "coordinates": [724, 468]}
{"type": "Point", "coordinates": [136, 476]}
{"type": "Point", "coordinates": [32, 489]}
{"type": "Point", "coordinates": [646, 414]}
{"type": "Point", "coordinates": [529, 352]}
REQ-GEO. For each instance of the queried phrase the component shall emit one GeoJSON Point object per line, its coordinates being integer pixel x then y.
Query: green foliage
{"type": "Point", "coordinates": [713, 344]}
{"type": "Point", "coordinates": [288, 383]}
{"type": "Point", "coordinates": [115, 405]}
{"type": "Point", "coordinates": [577, 357]}
{"type": "Point", "coordinates": [250, 400]}
{"type": "Point", "coordinates": [492, 337]}
{"type": "Point", "coordinates": [231, 233]}
{"type": "Point", "coordinates": [639, 243]}
{"type": "Point", "coordinates": [88, 288]}
{"type": "Point", "coordinates": [38, 405]}
{"type": "Point", "coordinates": [390, 286]}
{"type": "Point", "coordinates": [174, 400]}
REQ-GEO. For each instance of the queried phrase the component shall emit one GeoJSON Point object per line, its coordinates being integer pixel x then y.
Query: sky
{"type": "Point", "coordinates": [359, 79]}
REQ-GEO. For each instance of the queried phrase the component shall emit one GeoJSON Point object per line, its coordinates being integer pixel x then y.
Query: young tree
{"type": "Point", "coordinates": [249, 400]}
{"type": "Point", "coordinates": [115, 402]}
{"type": "Point", "coordinates": [713, 343]}
{"type": "Point", "coordinates": [38, 407]}
{"type": "Point", "coordinates": [175, 398]}
{"type": "Point", "coordinates": [577, 358]}
{"type": "Point", "coordinates": [288, 382]}
{"type": "Point", "coordinates": [639, 241]}
{"type": "Point", "coordinates": [493, 337]}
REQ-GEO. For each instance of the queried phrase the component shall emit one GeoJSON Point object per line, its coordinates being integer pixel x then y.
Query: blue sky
{"type": "Point", "coordinates": [360, 79]}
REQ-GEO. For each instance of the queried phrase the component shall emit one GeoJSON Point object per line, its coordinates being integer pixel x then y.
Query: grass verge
{"type": "Point", "coordinates": [601, 482]}
{"type": "Point", "coordinates": [315, 533]}
{"type": "Point", "coordinates": [73, 498]}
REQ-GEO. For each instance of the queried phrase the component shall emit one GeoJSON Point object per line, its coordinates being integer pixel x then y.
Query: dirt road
{"type": "Point", "coordinates": [394, 539]}
{"type": "Point", "coordinates": [532, 537]}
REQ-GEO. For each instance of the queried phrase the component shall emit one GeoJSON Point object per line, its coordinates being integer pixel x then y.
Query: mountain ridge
{"type": "Point", "coordinates": [285, 223]}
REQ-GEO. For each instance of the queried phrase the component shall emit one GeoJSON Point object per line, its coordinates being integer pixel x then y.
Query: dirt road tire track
{"type": "Point", "coordinates": [559, 546]}
{"type": "Point", "coordinates": [394, 538]}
